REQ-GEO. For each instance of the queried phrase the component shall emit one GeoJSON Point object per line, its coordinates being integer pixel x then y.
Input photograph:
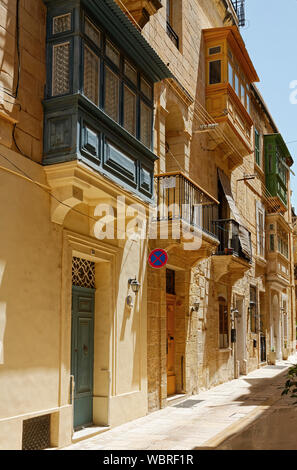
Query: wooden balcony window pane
{"type": "Point", "coordinates": [112, 53]}
{"type": "Point", "coordinates": [129, 111]}
{"type": "Point", "coordinates": [215, 74]}
{"type": "Point", "coordinates": [146, 89]}
{"type": "Point", "coordinates": [61, 69]}
{"type": "Point", "coordinates": [91, 76]}
{"type": "Point", "coordinates": [145, 125]}
{"type": "Point", "coordinates": [130, 73]}
{"type": "Point", "coordinates": [111, 96]}
{"type": "Point", "coordinates": [92, 32]}
{"type": "Point", "coordinates": [62, 23]}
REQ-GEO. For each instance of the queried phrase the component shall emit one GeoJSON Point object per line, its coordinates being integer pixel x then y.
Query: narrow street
{"type": "Point", "coordinates": [207, 420]}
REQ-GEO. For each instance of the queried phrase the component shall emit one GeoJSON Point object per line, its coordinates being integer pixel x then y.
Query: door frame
{"type": "Point", "coordinates": [170, 300]}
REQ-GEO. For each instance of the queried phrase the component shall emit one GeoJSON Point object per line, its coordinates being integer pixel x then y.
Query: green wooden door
{"type": "Point", "coordinates": [82, 354]}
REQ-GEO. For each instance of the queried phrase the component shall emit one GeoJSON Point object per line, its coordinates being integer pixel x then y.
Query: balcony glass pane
{"type": "Point", "coordinates": [91, 75]}
{"type": "Point", "coordinates": [111, 101]}
{"type": "Point", "coordinates": [145, 125]}
{"type": "Point", "coordinates": [61, 72]}
{"type": "Point", "coordinates": [242, 94]}
{"type": "Point", "coordinates": [214, 72]}
{"type": "Point", "coordinates": [237, 84]}
{"type": "Point", "coordinates": [248, 103]}
{"type": "Point", "coordinates": [129, 111]}
{"type": "Point", "coordinates": [230, 74]}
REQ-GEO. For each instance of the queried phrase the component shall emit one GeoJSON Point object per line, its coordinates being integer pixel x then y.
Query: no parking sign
{"type": "Point", "coordinates": [158, 258]}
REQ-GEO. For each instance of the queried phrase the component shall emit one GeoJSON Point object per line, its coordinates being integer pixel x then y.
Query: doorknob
{"type": "Point", "coordinates": [85, 349]}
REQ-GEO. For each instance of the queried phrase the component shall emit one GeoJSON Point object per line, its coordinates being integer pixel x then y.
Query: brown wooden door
{"type": "Point", "coordinates": [171, 378]}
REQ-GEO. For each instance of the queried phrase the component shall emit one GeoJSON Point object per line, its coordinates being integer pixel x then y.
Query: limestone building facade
{"type": "Point", "coordinates": [127, 127]}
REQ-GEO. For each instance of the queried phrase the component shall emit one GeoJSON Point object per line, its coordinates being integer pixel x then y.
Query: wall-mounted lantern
{"type": "Point", "coordinates": [195, 307]}
{"type": "Point", "coordinates": [134, 284]}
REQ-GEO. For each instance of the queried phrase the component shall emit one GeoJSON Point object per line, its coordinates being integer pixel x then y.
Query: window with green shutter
{"type": "Point", "coordinates": [257, 148]}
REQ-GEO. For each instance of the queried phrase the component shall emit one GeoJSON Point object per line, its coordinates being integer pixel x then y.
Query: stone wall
{"type": "Point", "coordinates": [26, 110]}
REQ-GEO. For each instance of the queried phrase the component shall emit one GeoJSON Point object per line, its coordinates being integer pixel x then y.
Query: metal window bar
{"type": "Point", "coordinates": [227, 231]}
{"type": "Point", "coordinates": [239, 7]}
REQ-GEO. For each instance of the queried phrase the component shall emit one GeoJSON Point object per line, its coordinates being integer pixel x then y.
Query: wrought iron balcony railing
{"type": "Point", "coordinates": [172, 34]}
{"type": "Point", "coordinates": [239, 7]}
{"type": "Point", "coordinates": [227, 232]}
{"type": "Point", "coordinates": [180, 198]}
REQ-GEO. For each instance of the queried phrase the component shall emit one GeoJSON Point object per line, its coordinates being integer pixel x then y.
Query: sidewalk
{"type": "Point", "coordinates": [202, 420]}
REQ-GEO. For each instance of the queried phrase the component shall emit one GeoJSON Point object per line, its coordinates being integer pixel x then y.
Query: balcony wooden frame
{"type": "Point", "coordinates": [222, 102]}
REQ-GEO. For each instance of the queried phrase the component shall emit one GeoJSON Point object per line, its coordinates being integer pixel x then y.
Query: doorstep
{"type": "Point", "coordinates": [88, 432]}
{"type": "Point", "coordinates": [177, 398]}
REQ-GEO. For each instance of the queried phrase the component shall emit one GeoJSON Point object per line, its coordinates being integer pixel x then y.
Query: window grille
{"type": "Point", "coordinates": [145, 124]}
{"type": "Point", "coordinates": [130, 73]}
{"type": "Point", "coordinates": [111, 94]}
{"type": "Point", "coordinates": [36, 433]}
{"type": "Point", "coordinates": [61, 79]}
{"type": "Point", "coordinates": [91, 76]}
{"type": "Point", "coordinates": [92, 32]}
{"type": "Point", "coordinates": [129, 111]}
{"type": "Point", "coordinates": [83, 273]}
{"type": "Point", "coordinates": [146, 89]}
{"type": "Point", "coordinates": [62, 23]}
{"type": "Point", "coordinates": [112, 53]}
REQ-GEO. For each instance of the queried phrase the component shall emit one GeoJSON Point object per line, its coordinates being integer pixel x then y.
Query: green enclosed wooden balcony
{"type": "Point", "coordinates": [277, 166]}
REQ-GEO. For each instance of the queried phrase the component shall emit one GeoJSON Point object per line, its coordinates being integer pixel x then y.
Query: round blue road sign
{"type": "Point", "coordinates": [158, 258]}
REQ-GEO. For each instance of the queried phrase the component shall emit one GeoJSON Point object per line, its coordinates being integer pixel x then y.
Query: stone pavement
{"type": "Point", "coordinates": [200, 421]}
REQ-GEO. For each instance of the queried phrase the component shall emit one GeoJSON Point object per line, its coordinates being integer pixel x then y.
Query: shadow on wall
{"type": "Point", "coordinates": [2, 315]}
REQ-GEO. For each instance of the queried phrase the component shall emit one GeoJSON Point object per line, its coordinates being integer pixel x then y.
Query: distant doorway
{"type": "Point", "coordinates": [241, 336]}
{"type": "Point", "coordinates": [171, 375]}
